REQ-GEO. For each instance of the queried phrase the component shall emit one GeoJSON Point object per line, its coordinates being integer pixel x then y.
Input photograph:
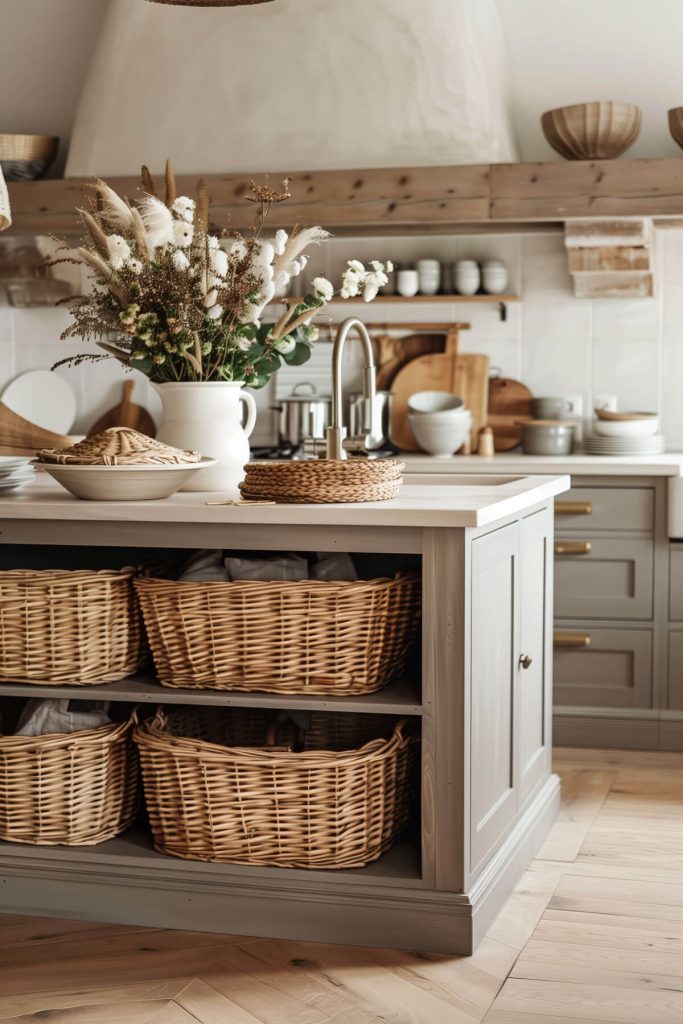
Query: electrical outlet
{"type": "Point", "coordinates": [575, 404]}
{"type": "Point", "coordinates": [607, 402]}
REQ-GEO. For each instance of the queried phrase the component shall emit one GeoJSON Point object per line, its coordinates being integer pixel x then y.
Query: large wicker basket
{"type": "Point", "coordinates": [75, 789]}
{"type": "Point", "coordinates": [318, 808]}
{"type": "Point", "coordinates": [62, 626]}
{"type": "Point", "coordinates": [284, 637]}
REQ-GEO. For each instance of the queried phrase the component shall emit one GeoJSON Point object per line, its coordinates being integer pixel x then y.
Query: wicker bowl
{"type": "Point", "coordinates": [676, 125]}
{"type": "Point", "coordinates": [25, 157]}
{"type": "Point", "coordinates": [323, 481]}
{"type": "Point", "coordinates": [592, 131]}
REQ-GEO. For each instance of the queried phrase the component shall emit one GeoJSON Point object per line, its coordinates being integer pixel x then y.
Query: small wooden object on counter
{"type": "Point", "coordinates": [323, 481]}
{"type": "Point", "coordinates": [509, 403]}
{"type": "Point", "coordinates": [71, 789]}
{"type": "Point", "coordinates": [21, 437]}
{"type": "Point", "coordinates": [486, 447]}
{"type": "Point", "coordinates": [126, 414]}
{"type": "Point", "coordinates": [305, 636]}
{"type": "Point", "coordinates": [216, 795]}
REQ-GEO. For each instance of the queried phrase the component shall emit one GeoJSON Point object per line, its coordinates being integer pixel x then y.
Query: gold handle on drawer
{"type": "Point", "coordinates": [571, 639]}
{"type": "Point", "coordinates": [573, 547]}
{"type": "Point", "coordinates": [573, 508]}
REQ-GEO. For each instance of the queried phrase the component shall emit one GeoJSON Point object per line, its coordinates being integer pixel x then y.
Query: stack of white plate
{"type": "Point", "coordinates": [647, 444]}
{"type": "Point", "coordinates": [14, 472]}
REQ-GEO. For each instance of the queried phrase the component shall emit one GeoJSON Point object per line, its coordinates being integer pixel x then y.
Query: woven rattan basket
{"type": "Point", "coordinates": [76, 789]}
{"type": "Point", "coordinates": [323, 481]}
{"type": "Point", "coordinates": [320, 808]}
{"type": "Point", "coordinates": [60, 626]}
{"type": "Point", "coordinates": [307, 636]}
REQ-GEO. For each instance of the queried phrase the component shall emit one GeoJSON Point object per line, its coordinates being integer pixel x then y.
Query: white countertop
{"type": "Point", "coordinates": [669, 464]}
{"type": "Point", "coordinates": [471, 502]}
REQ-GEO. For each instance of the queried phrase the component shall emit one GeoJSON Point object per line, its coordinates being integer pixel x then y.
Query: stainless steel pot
{"type": "Point", "coordinates": [371, 424]}
{"type": "Point", "coordinates": [302, 415]}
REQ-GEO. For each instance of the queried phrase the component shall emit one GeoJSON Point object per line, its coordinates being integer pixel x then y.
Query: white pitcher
{"type": "Point", "coordinates": [207, 417]}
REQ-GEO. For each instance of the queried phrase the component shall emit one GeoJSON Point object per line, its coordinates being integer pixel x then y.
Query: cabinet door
{"type": "Point", "coordinates": [601, 667]}
{"type": "Point", "coordinates": [676, 670]}
{"type": "Point", "coordinates": [495, 651]}
{"type": "Point", "coordinates": [534, 678]}
{"type": "Point", "coordinates": [603, 578]}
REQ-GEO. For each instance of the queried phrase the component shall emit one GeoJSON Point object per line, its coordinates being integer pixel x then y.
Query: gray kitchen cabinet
{"type": "Point", "coordinates": [606, 508]}
{"type": "Point", "coordinates": [676, 583]}
{"type": "Point", "coordinates": [601, 667]}
{"type": "Point", "coordinates": [676, 670]}
{"type": "Point", "coordinates": [511, 674]}
{"type": "Point", "coordinates": [603, 578]}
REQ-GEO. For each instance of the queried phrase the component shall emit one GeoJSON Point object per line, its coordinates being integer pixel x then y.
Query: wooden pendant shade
{"type": "Point", "coordinates": [210, 3]}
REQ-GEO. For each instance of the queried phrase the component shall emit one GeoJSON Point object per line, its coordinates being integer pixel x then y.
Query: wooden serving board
{"type": "Point", "coordinates": [510, 404]}
{"type": "Point", "coordinates": [126, 414]}
{"type": "Point", "coordinates": [21, 437]}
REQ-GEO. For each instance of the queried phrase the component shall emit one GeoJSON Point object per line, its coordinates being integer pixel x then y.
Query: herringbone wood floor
{"type": "Point", "coordinates": [594, 934]}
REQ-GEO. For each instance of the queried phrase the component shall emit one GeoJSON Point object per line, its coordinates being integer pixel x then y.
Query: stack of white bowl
{"type": "Point", "coordinates": [14, 472]}
{"type": "Point", "coordinates": [630, 433]}
{"type": "Point", "coordinates": [439, 421]}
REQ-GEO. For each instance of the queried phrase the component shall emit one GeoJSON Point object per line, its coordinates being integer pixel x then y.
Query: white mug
{"type": "Point", "coordinates": [407, 283]}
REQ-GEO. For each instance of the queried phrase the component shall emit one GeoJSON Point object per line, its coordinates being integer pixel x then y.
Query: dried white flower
{"type": "Point", "coordinates": [183, 233]}
{"type": "Point", "coordinates": [135, 266]}
{"type": "Point", "coordinates": [285, 345]}
{"type": "Point", "coordinates": [322, 288]}
{"type": "Point", "coordinates": [183, 207]}
{"type": "Point", "coordinates": [281, 238]}
{"type": "Point", "coordinates": [180, 260]}
{"type": "Point", "coordinates": [351, 283]}
{"type": "Point", "coordinates": [218, 261]}
{"type": "Point", "coordinates": [357, 266]}
{"type": "Point", "coordinates": [215, 313]}
{"type": "Point", "coordinates": [119, 251]}
{"type": "Point", "coordinates": [370, 291]}
{"type": "Point", "coordinates": [211, 298]}
{"type": "Point", "coordinates": [264, 254]}
{"type": "Point", "coordinates": [213, 242]}
{"type": "Point", "coordinates": [238, 250]}
{"type": "Point", "coordinates": [244, 344]}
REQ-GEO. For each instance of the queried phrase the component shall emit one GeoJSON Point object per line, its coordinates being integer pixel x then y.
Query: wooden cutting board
{"type": "Point", "coordinates": [509, 403]}
{"type": "Point", "coordinates": [433, 372]}
{"type": "Point", "coordinates": [126, 414]}
{"type": "Point", "coordinates": [21, 437]}
{"type": "Point", "coordinates": [392, 354]}
{"type": "Point", "coordinates": [472, 384]}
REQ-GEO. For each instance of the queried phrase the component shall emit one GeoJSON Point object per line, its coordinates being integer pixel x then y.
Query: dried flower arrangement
{"type": "Point", "coordinates": [181, 304]}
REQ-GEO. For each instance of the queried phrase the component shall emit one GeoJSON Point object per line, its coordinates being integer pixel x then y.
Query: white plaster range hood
{"type": "Point", "coordinates": [292, 85]}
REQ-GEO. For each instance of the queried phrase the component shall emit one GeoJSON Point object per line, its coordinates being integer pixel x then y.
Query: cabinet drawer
{"type": "Point", "coordinates": [676, 583]}
{"type": "Point", "coordinates": [606, 508]}
{"type": "Point", "coordinates": [676, 671]}
{"type": "Point", "coordinates": [605, 668]}
{"type": "Point", "coordinates": [612, 580]}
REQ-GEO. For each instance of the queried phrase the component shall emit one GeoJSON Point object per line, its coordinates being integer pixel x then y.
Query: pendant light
{"type": "Point", "coordinates": [210, 3]}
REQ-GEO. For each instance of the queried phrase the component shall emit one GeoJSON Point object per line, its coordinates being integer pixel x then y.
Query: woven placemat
{"type": "Point", "coordinates": [119, 446]}
{"type": "Point", "coordinates": [323, 481]}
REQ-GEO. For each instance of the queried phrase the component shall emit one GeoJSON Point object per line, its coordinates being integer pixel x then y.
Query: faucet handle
{"type": "Point", "coordinates": [357, 444]}
{"type": "Point", "coordinates": [316, 446]}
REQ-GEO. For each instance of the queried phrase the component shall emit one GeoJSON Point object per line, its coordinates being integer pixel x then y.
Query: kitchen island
{"type": "Point", "coordinates": [481, 696]}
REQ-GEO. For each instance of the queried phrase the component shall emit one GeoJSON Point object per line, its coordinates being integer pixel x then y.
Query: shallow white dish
{"type": "Point", "coordinates": [426, 402]}
{"type": "Point", "coordinates": [43, 398]}
{"type": "Point", "coordinates": [626, 428]}
{"type": "Point", "coordinates": [440, 438]}
{"type": "Point", "coordinates": [650, 445]}
{"type": "Point", "coordinates": [123, 483]}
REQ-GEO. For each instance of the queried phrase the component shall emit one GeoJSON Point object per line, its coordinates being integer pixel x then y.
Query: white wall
{"type": "Point", "coordinates": [555, 343]}
{"type": "Point", "coordinates": [293, 85]}
{"type": "Point", "coordinates": [45, 49]}
{"type": "Point", "coordinates": [575, 51]}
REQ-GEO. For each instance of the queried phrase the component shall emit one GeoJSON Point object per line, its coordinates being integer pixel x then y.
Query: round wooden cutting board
{"type": "Point", "coordinates": [509, 402]}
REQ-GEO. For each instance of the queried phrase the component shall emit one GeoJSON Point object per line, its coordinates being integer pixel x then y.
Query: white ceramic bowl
{"type": "Point", "coordinates": [437, 437]}
{"type": "Point", "coordinates": [627, 428]}
{"type": "Point", "coordinates": [424, 402]}
{"type": "Point", "coordinates": [123, 483]}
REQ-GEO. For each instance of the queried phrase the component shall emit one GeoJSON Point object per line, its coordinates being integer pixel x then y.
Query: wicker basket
{"type": "Point", "coordinates": [60, 626]}
{"type": "Point", "coordinates": [284, 637]}
{"type": "Point", "coordinates": [323, 481]}
{"type": "Point", "coordinates": [320, 808]}
{"type": "Point", "coordinates": [76, 789]}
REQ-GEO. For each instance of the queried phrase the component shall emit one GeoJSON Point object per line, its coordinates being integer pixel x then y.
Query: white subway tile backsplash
{"type": "Point", "coordinates": [555, 343]}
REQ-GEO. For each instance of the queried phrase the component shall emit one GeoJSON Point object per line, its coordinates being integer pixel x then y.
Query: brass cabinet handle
{"type": "Point", "coordinates": [561, 639]}
{"type": "Point", "coordinates": [573, 547]}
{"type": "Point", "coordinates": [573, 508]}
{"type": "Point", "coordinates": [525, 661]}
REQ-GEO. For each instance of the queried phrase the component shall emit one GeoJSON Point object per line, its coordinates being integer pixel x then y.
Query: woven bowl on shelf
{"type": "Point", "coordinates": [304, 636]}
{"type": "Point", "coordinates": [323, 481]}
{"type": "Point", "coordinates": [339, 802]}
{"type": "Point", "coordinates": [72, 789]}
{"type": "Point", "coordinates": [676, 125]}
{"type": "Point", "coordinates": [592, 131]}
{"type": "Point", "coordinates": [25, 157]}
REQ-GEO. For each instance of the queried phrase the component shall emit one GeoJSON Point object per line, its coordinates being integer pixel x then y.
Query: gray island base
{"type": "Point", "coordinates": [483, 699]}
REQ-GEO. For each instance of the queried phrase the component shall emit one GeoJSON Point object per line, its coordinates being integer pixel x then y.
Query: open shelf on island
{"type": "Point", "coordinates": [399, 697]}
{"type": "Point", "coordinates": [133, 849]}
